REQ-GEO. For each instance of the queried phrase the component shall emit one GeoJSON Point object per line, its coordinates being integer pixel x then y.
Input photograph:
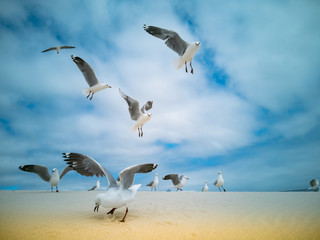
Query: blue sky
{"type": "Point", "coordinates": [251, 109]}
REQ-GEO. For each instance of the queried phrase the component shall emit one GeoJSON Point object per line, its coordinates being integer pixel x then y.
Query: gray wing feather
{"type": "Point", "coordinates": [173, 177]}
{"type": "Point", "coordinates": [173, 40]}
{"type": "Point", "coordinates": [49, 49]}
{"type": "Point", "coordinates": [313, 183]}
{"type": "Point", "coordinates": [150, 184]}
{"type": "Point", "coordinates": [87, 166]}
{"type": "Point", "coordinates": [66, 47]}
{"type": "Point", "coordinates": [127, 175]}
{"type": "Point", "coordinates": [65, 170]}
{"type": "Point", "coordinates": [42, 171]}
{"type": "Point", "coordinates": [147, 106]}
{"type": "Point", "coordinates": [133, 104]}
{"type": "Point", "coordinates": [86, 70]}
{"type": "Point", "coordinates": [93, 188]}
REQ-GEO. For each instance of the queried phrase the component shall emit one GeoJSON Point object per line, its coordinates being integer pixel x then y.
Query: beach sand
{"type": "Point", "coordinates": [161, 215]}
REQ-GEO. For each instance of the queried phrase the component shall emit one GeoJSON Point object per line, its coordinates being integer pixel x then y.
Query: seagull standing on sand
{"type": "Point", "coordinates": [96, 187]}
{"type": "Point", "coordinates": [154, 183]}
{"type": "Point", "coordinates": [43, 172]}
{"type": "Point", "coordinates": [205, 188]}
{"type": "Point", "coordinates": [185, 50]}
{"type": "Point", "coordinates": [219, 182]}
{"type": "Point", "coordinates": [178, 182]}
{"type": "Point", "coordinates": [137, 114]}
{"type": "Point", "coordinates": [118, 194]}
{"type": "Point", "coordinates": [57, 48]}
{"type": "Point", "coordinates": [89, 75]}
{"type": "Point", "coordinates": [314, 184]}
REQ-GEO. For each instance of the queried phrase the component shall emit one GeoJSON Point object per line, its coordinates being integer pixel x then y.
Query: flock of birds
{"type": "Point", "coordinates": [121, 191]}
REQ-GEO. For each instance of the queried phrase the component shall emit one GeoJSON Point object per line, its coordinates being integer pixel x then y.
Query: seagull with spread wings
{"type": "Point", "coordinates": [57, 48]}
{"type": "Point", "coordinates": [137, 114]}
{"type": "Point", "coordinates": [178, 182]}
{"type": "Point", "coordinates": [89, 75]}
{"type": "Point", "coordinates": [185, 50]}
{"type": "Point", "coordinates": [43, 172]}
{"type": "Point", "coordinates": [119, 194]}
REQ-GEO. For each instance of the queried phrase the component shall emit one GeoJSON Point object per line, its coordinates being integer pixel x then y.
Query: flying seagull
{"type": "Point", "coordinates": [219, 182]}
{"type": "Point", "coordinates": [184, 49]}
{"type": "Point", "coordinates": [88, 73]}
{"type": "Point", "coordinates": [178, 182]}
{"type": "Point", "coordinates": [137, 114]}
{"type": "Point", "coordinates": [154, 183]}
{"type": "Point", "coordinates": [96, 187]}
{"type": "Point", "coordinates": [314, 184]}
{"type": "Point", "coordinates": [118, 194]}
{"type": "Point", "coordinates": [43, 172]}
{"type": "Point", "coordinates": [57, 48]}
{"type": "Point", "coordinates": [205, 188]}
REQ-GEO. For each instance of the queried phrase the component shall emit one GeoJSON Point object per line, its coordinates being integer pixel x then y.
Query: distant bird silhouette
{"type": "Point", "coordinates": [96, 187]}
{"type": "Point", "coordinates": [314, 185]}
{"type": "Point", "coordinates": [57, 48]}
{"type": "Point", "coordinates": [205, 188]}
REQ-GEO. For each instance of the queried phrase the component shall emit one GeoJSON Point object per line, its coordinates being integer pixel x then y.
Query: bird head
{"type": "Point", "coordinates": [219, 172]}
{"type": "Point", "coordinates": [186, 177]}
{"type": "Point", "coordinates": [105, 85]}
{"type": "Point", "coordinates": [54, 170]}
{"type": "Point", "coordinates": [197, 44]}
{"type": "Point", "coordinates": [149, 115]}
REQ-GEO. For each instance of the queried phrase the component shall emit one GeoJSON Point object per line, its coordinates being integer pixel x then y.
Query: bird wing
{"type": "Point", "coordinates": [65, 170]}
{"type": "Point", "coordinates": [93, 188]}
{"type": "Point", "coordinates": [66, 47]}
{"type": "Point", "coordinates": [127, 175]}
{"type": "Point", "coordinates": [86, 70]}
{"type": "Point", "coordinates": [150, 184]}
{"type": "Point", "coordinates": [42, 171]}
{"type": "Point", "coordinates": [313, 183]}
{"type": "Point", "coordinates": [49, 49]}
{"type": "Point", "coordinates": [87, 166]}
{"type": "Point", "coordinates": [173, 177]}
{"type": "Point", "coordinates": [147, 106]}
{"type": "Point", "coordinates": [133, 104]}
{"type": "Point", "coordinates": [173, 40]}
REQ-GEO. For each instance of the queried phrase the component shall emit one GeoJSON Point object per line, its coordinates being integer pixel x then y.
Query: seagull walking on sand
{"type": "Point", "coordinates": [219, 182]}
{"type": "Point", "coordinates": [314, 184]}
{"type": "Point", "coordinates": [90, 77]}
{"type": "Point", "coordinates": [184, 49]}
{"type": "Point", "coordinates": [96, 187]}
{"type": "Point", "coordinates": [137, 114]}
{"type": "Point", "coordinates": [178, 182]}
{"type": "Point", "coordinates": [118, 194]}
{"type": "Point", "coordinates": [154, 183]}
{"type": "Point", "coordinates": [57, 48]}
{"type": "Point", "coordinates": [43, 172]}
{"type": "Point", "coordinates": [205, 188]}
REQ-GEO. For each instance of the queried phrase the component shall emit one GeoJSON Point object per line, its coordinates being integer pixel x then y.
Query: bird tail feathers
{"type": "Point", "coordinates": [178, 63]}
{"type": "Point", "coordinates": [86, 91]}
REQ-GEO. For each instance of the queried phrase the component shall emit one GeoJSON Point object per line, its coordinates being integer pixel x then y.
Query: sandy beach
{"type": "Point", "coordinates": [161, 215]}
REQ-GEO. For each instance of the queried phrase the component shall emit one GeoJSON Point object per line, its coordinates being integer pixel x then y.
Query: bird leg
{"type": "Point", "coordinates": [57, 189]}
{"type": "Point", "coordinates": [123, 219]}
{"type": "Point", "coordinates": [185, 63]}
{"type": "Point", "coordinates": [219, 189]}
{"type": "Point", "coordinates": [141, 132]}
{"type": "Point", "coordinates": [96, 208]}
{"type": "Point", "coordinates": [111, 211]}
{"type": "Point", "coordinates": [223, 189]}
{"type": "Point", "coordinates": [51, 188]}
{"type": "Point", "coordinates": [91, 96]}
{"type": "Point", "coordinates": [191, 66]}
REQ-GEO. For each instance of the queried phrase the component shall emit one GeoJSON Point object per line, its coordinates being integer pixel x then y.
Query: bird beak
{"type": "Point", "coordinates": [96, 208]}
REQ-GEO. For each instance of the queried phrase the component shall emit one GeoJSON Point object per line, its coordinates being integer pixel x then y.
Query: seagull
{"type": "Point", "coordinates": [314, 184]}
{"type": "Point", "coordinates": [205, 188]}
{"type": "Point", "coordinates": [154, 183]}
{"type": "Point", "coordinates": [43, 172]}
{"type": "Point", "coordinates": [118, 194]}
{"type": "Point", "coordinates": [57, 48]}
{"type": "Point", "coordinates": [88, 73]}
{"type": "Point", "coordinates": [219, 182]}
{"type": "Point", "coordinates": [185, 50]}
{"type": "Point", "coordinates": [137, 114]}
{"type": "Point", "coordinates": [96, 187]}
{"type": "Point", "coordinates": [178, 182]}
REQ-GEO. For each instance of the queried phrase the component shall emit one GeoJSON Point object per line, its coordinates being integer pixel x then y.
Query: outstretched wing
{"type": "Point", "coordinates": [87, 166]}
{"type": "Point", "coordinates": [173, 177]}
{"type": "Point", "coordinates": [65, 170]}
{"type": "Point", "coordinates": [133, 106]}
{"type": "Point", "coordinates": [127, 175]}
{"type": "Point", "coordinates": [173, 40]}
{"type": "Point", "coordinates": [66, 47]}
{"type": "Point", "coordinates": [150, 184]}
{"type": "Point", "coordinates": [49, 49]}
{"type": "Point", "coordinates": [86, 70]}
{"type": "Point", "coordinates": [42, 171]}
